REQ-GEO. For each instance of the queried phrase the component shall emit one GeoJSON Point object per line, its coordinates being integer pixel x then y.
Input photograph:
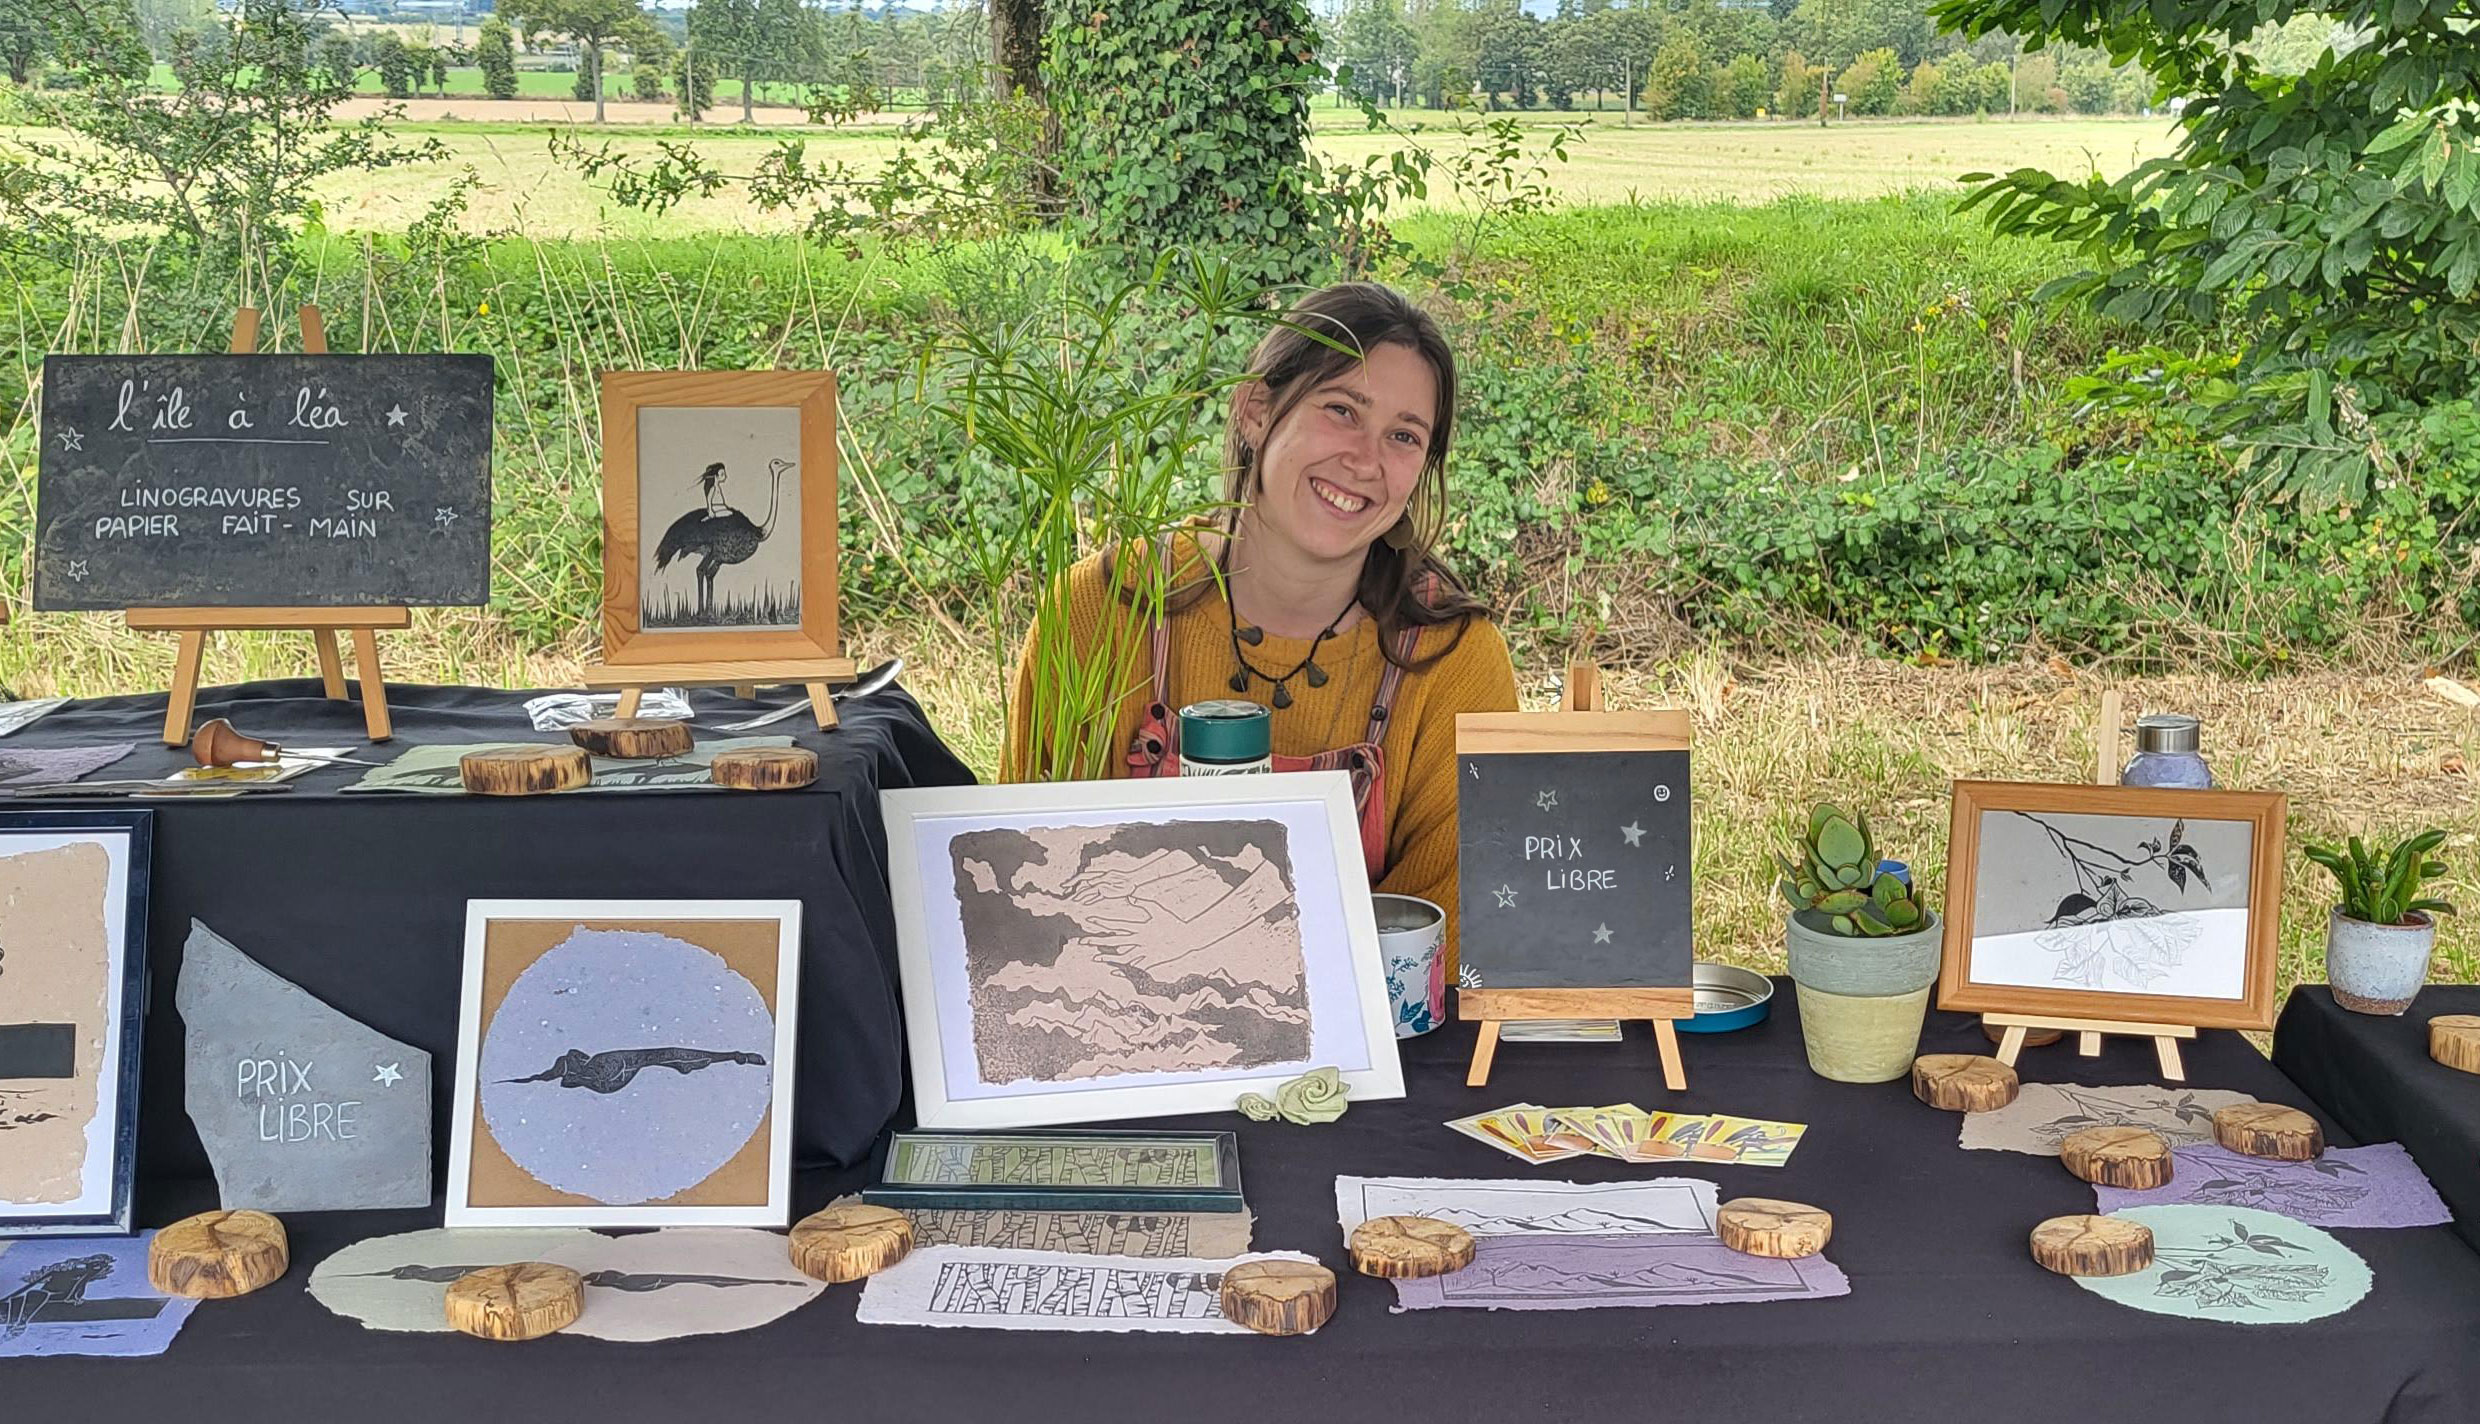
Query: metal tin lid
{"type": "Point", "coordinates": [1226, 730]}
{"type": "Point", "coordinates": [2168, 732]}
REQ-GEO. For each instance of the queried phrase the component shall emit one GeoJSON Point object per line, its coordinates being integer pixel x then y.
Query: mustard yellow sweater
{"type": "Point", "coordinates": [1419, 745]}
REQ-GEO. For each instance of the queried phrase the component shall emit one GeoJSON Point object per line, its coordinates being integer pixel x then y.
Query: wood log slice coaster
{"type": "Point", "coordinates": [1279, 1297]}
{"type": "Point", "coordinates": [2132, 1157]}
{"type": "Point", "coordinates": [765, 768]}
{"type": "Point", "coordinates": [1762, 1226]}
{"type": "Point", "coordinates": [632, 738]}
{"type": "Point", "coordinates": [524, 771]}
{"type": "Point", "coordinates": [846, 1243]}
{"type": "Point", "coordinates": [1403, 1248]}
{"type": "Point", "coordinates": [1963, 1082]}
{"type": "Point", "coordinates": [525, 1301]}
{"type": "Point", "coordinates": [2268, 1130]}
{"type": "Point", "coordinates": [2092, 1245]}
{"type": "Point", "coordinates": [2454, 1040]}
{"type": "Point", "coordinates": [217, 1255]}
{"type": "Point", "coordinates": [2033, 1038]}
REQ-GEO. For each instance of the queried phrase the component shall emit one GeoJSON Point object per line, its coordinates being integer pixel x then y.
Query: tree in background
{"type": "Point", "coordinates": [1835, 32]}
{"type": "Point", "coordinates": [1872, 83]}
{"type": "Point", "coordinates": [1796, 82]}
{"type": "Point", "coordinates": [791, 41]}
{"type": "Point", "coordinates": [336, 56]}
{"type": "Point", "coordinates": [2326, 223]}
{"type": "Point", "coordinates": [1679, 85]}
{"type": "Point", "coordinates": [724, 34]}
{"type": "Point", "coordinates": [595, 26]}
{"type": "Point", "coordinates": [393, 58]}
{"type": "Point", "coordinates": [1742, 87]}
{"type": "Point", "coordinates": [586, 87]}
{"type": "Point", "coordinates": [647, 63]}
{"type": "Point", "coordinates": [495, 54]}
{"type": "Point", "coordinates": [26, 37]}
{"type": "Point", "coordinates": [693, 84]}
{"type": "Point", "coordinates": [1374, 39]}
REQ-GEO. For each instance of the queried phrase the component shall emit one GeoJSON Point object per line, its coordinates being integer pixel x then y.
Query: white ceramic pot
{"type": "Point", "coordinates": [2377, 969]}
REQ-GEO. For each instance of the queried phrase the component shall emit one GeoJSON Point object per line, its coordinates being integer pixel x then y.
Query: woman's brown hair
{"type": "Point", "coordinates": [1403, 583]}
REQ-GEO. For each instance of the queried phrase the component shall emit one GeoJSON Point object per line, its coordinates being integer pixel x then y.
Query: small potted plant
{"type": "Point", "coordinates": [1863, 951]}
{"type": "Point", "coordinates": [2378, 939]}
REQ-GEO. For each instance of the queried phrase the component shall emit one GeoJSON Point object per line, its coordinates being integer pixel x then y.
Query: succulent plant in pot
{"type": "Point", "coordinates": [2377, 941]}
{"type": "Point", "coordinates": [1863, 950]}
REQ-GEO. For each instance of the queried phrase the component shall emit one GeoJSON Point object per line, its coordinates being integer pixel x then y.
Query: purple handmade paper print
{"type": "Point", "coordinates": [33, 764]}
{"type": "Point", "coordinates": [2346, 1186]}
{"type": "Point", "coordinates": [1590, 1272]}
{"type": "Point", "coordinates": [84, 1297]}
{"type": "Point", "coordinates": [627, 1066]}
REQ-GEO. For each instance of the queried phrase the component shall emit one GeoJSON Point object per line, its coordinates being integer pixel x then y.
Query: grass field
{"type": "Point", "coordinates": [522, 187]}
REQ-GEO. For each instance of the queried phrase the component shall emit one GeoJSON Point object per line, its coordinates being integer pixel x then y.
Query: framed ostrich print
{"type": "Point", "coordinates": [2112, 902]}
{"type": "Point", "coordinates": [719, 539]}
{"type": "Point", "coordinates": [73, 898]}
{"type": "Point", "coordinates": [625, 1063]}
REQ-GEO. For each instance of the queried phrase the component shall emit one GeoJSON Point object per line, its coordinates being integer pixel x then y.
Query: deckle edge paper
{"type": "Point", "coordinates": [979, 1288]}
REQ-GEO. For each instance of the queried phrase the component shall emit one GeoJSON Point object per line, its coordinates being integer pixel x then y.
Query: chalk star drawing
{"type": "Point", "coordinates": [1634, 831]}
{"type": "Point", "coordinates": [1601, 934]}
{"type": "Point", "coordinates": [444, 518]}
{"type": "Point", "coordinates": [396, 415]}
{"type": "Point", "coordinates": [389, 1075]}
{"type": "Point", "coordinates": [1661, 793]}
{"type": "Point", "coordinates": [77, 569]}
{"type": "Point", "coordinates": [1506, 897]}
{"type": "Point", "coordinates": [1670, 872]}
{"type": "Point", "coordinates": [1548, 800]}
{"type": "Point", "coordinates": [1473, 770]}
{"type": "Point", "coordinates": [71, 438]}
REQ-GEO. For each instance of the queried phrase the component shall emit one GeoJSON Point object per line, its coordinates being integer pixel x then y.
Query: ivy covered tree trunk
{"type": "Point", "coordinates": [1015, 48]}
{"type": "Point", "coordinates": [1185, 123]}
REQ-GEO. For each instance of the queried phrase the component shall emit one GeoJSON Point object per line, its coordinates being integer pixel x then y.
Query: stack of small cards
{"type": "Point", "coordinates": [1630, 1134]}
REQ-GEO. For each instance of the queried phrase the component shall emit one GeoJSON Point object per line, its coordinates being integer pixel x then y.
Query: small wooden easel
{"type": "Point", "coordinates": [322, 624]}
{"type": "Point", "coordinates": [815, 675]}
{"type": "Point", "coordinates": [2011, 1029]}
{"type": "Point", "coordinates": [1663, 1007]}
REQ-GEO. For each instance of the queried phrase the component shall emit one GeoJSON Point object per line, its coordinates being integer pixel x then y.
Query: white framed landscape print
{"type": "Point", "coordinates": [1084, 951]}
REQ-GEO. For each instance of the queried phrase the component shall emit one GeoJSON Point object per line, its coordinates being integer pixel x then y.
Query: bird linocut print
{"type": "Point", "coordinates": [723, 483]}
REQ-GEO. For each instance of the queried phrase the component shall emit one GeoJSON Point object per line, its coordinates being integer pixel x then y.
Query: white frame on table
{"type": "Point", "coordinates": [479, 916]}
{"type": "Point", "coordinates": [1332, 793]}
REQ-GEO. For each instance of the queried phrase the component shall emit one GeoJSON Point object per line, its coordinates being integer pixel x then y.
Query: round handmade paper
{"type": "Point", "coordinates": [2237, 1265]}
{"type": "Point", "coordinates": [626, 1066]}
{"type": "Point", "coordinates": [401, 1282]}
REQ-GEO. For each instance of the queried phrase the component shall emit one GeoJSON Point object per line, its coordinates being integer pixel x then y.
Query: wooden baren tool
{"type": "Point", "coordinates": [219, 743]}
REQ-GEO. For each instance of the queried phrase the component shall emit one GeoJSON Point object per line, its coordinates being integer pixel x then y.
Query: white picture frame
{"type": "Point", "coordinates": [473, 1024]}
{"type": "Point", "coordinates": [1343, 979]}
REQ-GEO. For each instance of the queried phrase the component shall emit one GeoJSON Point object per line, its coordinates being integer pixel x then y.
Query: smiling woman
{"type": "Point", "coordinates": [1318, 595]}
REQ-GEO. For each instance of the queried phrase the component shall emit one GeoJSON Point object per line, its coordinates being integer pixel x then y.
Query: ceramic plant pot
{"type": "Point", "coordinates": [2377, 969]}
{"type": "Point", "coordinates": [1861, 1000]}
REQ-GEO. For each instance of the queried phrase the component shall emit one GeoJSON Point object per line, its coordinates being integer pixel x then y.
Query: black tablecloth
{"type": "Point", "coordinates": [2373, 1075]}
{"type": "Point", "coordinates": [360, 899]}
{"type": "Point", "coordinates": [1948, 1318]}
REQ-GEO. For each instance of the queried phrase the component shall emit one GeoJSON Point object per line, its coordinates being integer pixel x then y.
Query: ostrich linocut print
{"type": "Point", "coordinates": [625, 1064]}
{"type": "Point", "coordinates": [1068, 945]}
{"type": "Point", "coordinates": [719, 532]}
{"type": "Point", "coordinates": [724, 485]}
{"type": "Point", "coordinates": [72, 970]}
{"type": "Point", "coordinates": [2133, 904]}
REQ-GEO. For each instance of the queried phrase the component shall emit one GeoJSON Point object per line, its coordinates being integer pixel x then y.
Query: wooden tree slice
{"type": "Point", "coordinates": [2033, 1038]}
{"type": "Point", "coordinates": [524, 771]}
{"type": "Point", "coordinates": [1403, 1248]}
{"type": "Point", "coordinates": [1762, 1226]}
{"type": "Point", "coordinates": [631, 738]}
{"type": "Point", "coordinates": [1963, 1082]}
{"type": "Point", "coordinates": [2092, 1245]}
{"type": "Point", "coordinates": [2132, 1157]}
{"type": "Point", "coordinates": [216, 1255]}
{"type": "Point", "coordinates": [845, 1243]}
{"type": "Point", "coordinates": [1279, 1297]}
{"type": "Point", "coordinates": [525, 1301]}
{"type": "Point", "coordinates": [766, 768]}
{"type": "Point", "coordinates": [2268, 1130]}
{"type": "Point", "coordinates": [2454, 1040]}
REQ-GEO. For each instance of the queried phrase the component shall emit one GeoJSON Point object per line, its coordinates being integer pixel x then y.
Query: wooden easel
{"type": "Point", "coordinates": [2011, 1029]}
{"type": "Point", "coordinates": [1662, 1007]}
{"type": "Point", "coordinates": [817, 676]}
{"type": "Point", "coordinates": [322, 624]}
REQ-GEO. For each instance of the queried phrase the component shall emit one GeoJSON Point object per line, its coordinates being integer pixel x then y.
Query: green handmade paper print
{"type": "Point", "coordinates": [2237, 1265]}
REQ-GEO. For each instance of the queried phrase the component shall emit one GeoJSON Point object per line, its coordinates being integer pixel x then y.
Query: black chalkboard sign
{"type": "Point", "coordinates": [234, 481]}
{"type": "Point", "coordinates": [1574, 836]}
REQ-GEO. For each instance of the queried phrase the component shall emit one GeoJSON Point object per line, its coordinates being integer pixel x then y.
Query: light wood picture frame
{"type": "Point", "coordinates": [2134, 904]}
{"type": "Point", "coordinates": [707, 576]}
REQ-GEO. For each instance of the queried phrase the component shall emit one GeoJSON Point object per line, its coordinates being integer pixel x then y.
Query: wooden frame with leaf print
{"type": "Point", "coordinates": [706, 444]}
{"type": "Point", "coordinates": [2135, 904]}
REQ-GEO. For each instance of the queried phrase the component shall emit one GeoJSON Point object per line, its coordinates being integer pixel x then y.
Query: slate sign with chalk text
{"type": "Point", "coordinates": [1574, 870]}
{"type": "Point", "coordinates": [186, 481]}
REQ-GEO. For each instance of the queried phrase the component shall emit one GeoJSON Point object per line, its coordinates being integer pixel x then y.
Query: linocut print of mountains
{"type": "Point", "coordinates": [1138, 948]}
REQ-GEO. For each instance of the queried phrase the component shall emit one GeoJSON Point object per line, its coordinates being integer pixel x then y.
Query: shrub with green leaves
{"type": "Point", "coordinates": [2382, 886]}
{"type": "Point", "coordinates": [2333, 216]}
{"type": "Point", "coordinates": [1835, 873]}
